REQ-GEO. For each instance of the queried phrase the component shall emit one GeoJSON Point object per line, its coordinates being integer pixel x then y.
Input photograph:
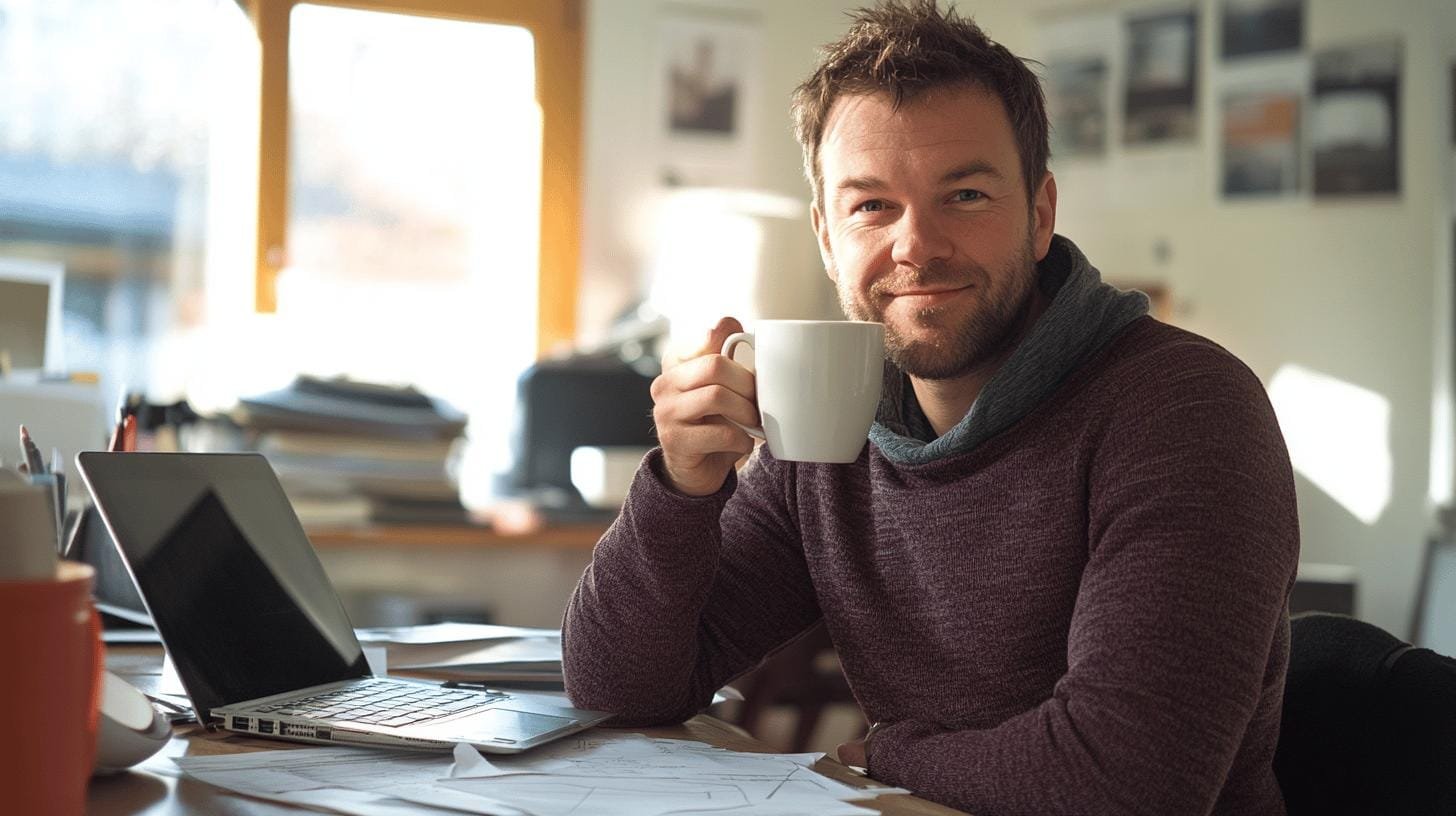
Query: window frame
{"type": "Point", "coordinates": [556, 26]}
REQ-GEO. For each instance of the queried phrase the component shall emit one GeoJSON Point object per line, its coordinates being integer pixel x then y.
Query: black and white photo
{"type": "Point", "coordinates": [1355, 120]}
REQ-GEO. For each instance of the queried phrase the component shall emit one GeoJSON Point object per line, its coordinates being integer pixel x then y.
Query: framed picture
{"type": "Point", "coordinates": [1077, 99]}
{"type": "Point", "coordinates": [1355, 120]}
{"type": "Point", "coordinates": [1259, 27]}
{"type": "Point", "coordinates": [1162, 78]}
{"type": "Point", "coordinates": [1260, 143]}
{"type": "Point", "coordinates": [707, 82]}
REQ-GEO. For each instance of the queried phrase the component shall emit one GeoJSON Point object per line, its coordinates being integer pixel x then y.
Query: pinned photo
{"type": "Point", "coordinates": [1162, 78]}
{"type": "Point", "coordinates": [1355, 120]}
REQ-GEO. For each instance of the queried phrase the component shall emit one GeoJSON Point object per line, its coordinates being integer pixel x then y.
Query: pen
{"type": "Point", "coordinates": [34, 464]}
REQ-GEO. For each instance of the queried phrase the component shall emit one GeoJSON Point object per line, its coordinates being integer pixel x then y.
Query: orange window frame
{"type": "Point", "coordinates": [556, 26]}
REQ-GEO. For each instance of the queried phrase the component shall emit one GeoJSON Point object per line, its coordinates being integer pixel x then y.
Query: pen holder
{"type": "Point", "coordinates": [50, 637]}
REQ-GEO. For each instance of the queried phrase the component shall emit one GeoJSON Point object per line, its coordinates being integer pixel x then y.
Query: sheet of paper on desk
{"type": "Point", "coordinates": [356, 781]}
{"type": "Point", "coordinates": [469, 651]}
{"type": "Point", "coordinates": [633, 774]}
{"type": "Point", "coordinates": [541, 654]}
{"type": "Point", "coordinates": [450, 632]}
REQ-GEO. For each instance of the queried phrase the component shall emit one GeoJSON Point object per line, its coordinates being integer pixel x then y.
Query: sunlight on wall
{"type": "Point", "coordinates": [1442, 442]}
{"type": "Point", "coordinates": [1339, 437]}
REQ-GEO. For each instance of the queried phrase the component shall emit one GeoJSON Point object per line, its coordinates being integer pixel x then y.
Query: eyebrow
{"type": "Point", "coordinates": [978, 167]}
{"type": "Point", "coordinates": [975, 168]}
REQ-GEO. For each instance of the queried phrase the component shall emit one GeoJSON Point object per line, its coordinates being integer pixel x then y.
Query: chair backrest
{"type": "Point", "coordinates": [1369, 723]}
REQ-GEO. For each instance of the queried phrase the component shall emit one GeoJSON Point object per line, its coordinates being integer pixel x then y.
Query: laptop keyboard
{"type": "Point", "coordinates": [383, 702]}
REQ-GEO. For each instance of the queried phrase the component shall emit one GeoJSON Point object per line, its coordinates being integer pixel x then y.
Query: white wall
{"type": "Point", "coordinates": [1358, 290]}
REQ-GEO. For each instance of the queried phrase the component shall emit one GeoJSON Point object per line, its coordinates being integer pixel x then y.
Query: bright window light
{"type": "Point", "coordinates": [415, 170]}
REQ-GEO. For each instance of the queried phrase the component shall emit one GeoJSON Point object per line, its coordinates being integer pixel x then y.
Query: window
{"type": "Point", "coordinates": [414, 202]}
{"type": "Point", "coordinates": [124, 157]}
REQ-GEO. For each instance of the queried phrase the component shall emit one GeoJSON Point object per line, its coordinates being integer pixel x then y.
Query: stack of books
{"type": "Point", "coordinates": [355, 453]}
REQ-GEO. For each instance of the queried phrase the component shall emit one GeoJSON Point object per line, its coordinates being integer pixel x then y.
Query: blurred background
{"type": "Point", "coordinates": [425, 254]}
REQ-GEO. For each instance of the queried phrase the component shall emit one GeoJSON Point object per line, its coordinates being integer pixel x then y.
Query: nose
{"type": "Point", "coordinates": [922, 239]}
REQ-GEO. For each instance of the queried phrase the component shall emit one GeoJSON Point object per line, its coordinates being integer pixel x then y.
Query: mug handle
{"type": "Point", "coordinates": [729, 346]}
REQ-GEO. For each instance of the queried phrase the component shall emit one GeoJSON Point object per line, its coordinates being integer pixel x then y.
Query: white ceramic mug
{"type": "Point", "coordinates": [818, 385]}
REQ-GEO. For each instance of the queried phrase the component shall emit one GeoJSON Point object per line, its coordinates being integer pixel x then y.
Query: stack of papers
{"type": "Point", "coordinates": [505, 655]}
{"type": "Point", "coordinates": [599, 773]}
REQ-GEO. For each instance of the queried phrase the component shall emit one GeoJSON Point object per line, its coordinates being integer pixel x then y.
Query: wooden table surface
{"type": "Point", "coordinates": [158, 788]}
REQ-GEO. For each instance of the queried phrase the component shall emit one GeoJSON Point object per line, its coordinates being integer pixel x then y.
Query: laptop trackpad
{"type": "Point", "coordinates": [513, 725]}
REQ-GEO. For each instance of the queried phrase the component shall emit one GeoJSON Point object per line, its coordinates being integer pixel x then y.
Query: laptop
{"type": "Point", "coordinates": [260, 640]}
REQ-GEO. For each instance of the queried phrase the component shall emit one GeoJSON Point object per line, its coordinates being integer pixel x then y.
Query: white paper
{"type": "Point", "coordinates": [360, 781]}
{"type": "Point", "coordinates": [539, 654]}
{"type": "Point", "coordinates": [607, 773]}
{"type": "Point", "coordinates": [604, 773]}
{"type": "Point", "coordinates": [450, 633]}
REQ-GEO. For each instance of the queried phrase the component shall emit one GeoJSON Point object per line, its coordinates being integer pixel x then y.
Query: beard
{"type": "Point", "coordinates": [962, 337]}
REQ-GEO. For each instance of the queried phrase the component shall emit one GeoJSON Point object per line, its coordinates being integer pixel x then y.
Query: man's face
{"type": "Point", "coordinates": [924, 226]}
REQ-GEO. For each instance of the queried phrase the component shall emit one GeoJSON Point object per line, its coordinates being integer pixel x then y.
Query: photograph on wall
{"type": "Point", "coordinates": [1355, 120]}
{"type": "Point", "coordinates": [706, 86]}
{"type": "Point", "coordinates": [1260, 143]}
{"type": "Point", "coordinates": [1261, 27]}
{"type": "Point", "coordinates": [705, 74]}
{"type": "Point", "coordinates": [1077, 103]}
{"type": "Point", "coordinates": [1162, 78]}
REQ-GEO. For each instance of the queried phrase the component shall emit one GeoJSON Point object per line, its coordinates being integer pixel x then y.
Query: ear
{"type": "Point", "coordinates": [1045, 213]}
{"type": "Point", "coordinates": [821, 232]}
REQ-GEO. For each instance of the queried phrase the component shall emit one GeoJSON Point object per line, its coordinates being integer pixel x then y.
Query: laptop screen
{"type": "Point", "coordinates": [232, 583]}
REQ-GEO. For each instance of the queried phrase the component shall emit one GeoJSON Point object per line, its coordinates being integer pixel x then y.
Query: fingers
{"type": "Point", "coordinates": [703, 402]}
{"type": "Point", "coordinates": [693, 399]}
{"type": "Point", "coordinates": [701, 372]}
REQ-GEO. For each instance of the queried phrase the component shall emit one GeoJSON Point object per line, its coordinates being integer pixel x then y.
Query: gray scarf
{"type": "Point", "coordinates": [1084, 314]}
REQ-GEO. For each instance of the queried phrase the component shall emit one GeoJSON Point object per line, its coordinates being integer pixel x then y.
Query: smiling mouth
{"type": "Point", "coordinates": [924, 296]}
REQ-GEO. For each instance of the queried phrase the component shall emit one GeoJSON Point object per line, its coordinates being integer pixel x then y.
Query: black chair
{"type": "Point", "coordinates": [1369, 723]}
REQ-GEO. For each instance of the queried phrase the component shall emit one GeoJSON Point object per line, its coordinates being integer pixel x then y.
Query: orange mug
{"type": "Point", "coordinates": [50, 637]}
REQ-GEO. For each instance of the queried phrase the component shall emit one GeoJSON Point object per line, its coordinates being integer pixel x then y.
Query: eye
{"type": "Point", "coordinates": [873, 205]}
{"type": "Point", "coordinates": [967, 196]}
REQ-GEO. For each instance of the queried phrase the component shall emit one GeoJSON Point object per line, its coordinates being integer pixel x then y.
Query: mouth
{"type": "Point", "coordinates": [925, 298]}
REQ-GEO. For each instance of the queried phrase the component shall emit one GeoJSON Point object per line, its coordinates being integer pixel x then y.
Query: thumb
{"type": "Point", "coordinates": [712, 343]}
{"type": "Point", "coordinates": [721, 330]}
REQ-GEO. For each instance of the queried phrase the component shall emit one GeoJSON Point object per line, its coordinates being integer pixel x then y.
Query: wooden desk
{"type": "Point", "coordinates": [158, 788]}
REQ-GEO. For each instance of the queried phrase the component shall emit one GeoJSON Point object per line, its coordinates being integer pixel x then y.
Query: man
{"type": "Point", "coordinates": [1057, 576]}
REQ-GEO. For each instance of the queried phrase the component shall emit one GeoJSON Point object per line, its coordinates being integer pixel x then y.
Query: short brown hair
{"type": "Point", "coordinates": [908, 47]}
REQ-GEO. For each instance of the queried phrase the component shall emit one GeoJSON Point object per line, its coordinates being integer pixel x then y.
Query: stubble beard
{"type": "Point", "coordinates": [984, 334]}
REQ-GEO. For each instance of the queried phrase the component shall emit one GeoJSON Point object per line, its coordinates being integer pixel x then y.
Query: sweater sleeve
{"type": "Point", "coordinates": [684, 593]}
{"type": "Point", "coordinates": [1193, 544]}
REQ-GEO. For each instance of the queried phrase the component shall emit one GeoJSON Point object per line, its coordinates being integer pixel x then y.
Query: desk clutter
{"type": "Point", "coordinates": [599, 772]}
{"type": "Point", "coordinates": [349, 452]}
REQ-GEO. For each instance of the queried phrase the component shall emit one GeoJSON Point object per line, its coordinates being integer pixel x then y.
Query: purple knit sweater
{"type": "Point", "coordinates": [1085, 614]}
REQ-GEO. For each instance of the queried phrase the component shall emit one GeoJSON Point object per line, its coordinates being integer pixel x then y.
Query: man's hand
{"type": "Point", "coordinates": [853, 753]}
{"type": "Point", "coordinates": [690, 400]}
